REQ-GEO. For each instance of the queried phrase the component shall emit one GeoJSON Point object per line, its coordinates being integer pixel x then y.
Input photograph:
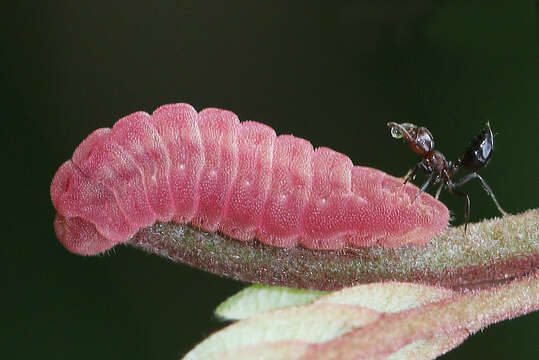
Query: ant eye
{"type": "Point", "coordinates": [396, 132]}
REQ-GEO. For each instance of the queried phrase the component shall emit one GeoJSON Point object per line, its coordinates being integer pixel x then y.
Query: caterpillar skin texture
{"type": "Point", "coordinates": [211, 171]}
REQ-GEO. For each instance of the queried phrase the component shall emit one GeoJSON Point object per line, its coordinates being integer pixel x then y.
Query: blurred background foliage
{"type": "Point", "coordinates": [331, 72]}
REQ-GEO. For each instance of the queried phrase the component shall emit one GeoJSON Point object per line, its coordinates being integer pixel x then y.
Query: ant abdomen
{"type": "Point", "coordinates": [479, 151]}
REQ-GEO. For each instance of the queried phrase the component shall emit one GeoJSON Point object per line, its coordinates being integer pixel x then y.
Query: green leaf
{"type": "Point", "coordinates": [387, 297]}
{"type": "Point", "coordinates": [260, 298]}
{"type": "Point", "coordinates": [423, 323]}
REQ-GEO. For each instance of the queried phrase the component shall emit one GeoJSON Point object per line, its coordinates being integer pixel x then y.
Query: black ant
{"type": "Point", "coordinates": [442, 171]}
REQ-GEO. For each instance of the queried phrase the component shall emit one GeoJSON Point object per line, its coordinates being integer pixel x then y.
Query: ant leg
{"type": "Point", "coordinates": [439, 191]}
{"type": "Point", "coordinates": [485, 186]}
{"type": "Point", "coordinates": [424, 186]}
{"type": "Point", "coordinates": [466, 206]}
{"type": "Point", "coordinates": [410, 175]}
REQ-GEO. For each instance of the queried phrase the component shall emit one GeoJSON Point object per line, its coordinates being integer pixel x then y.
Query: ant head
{"type": "Point", "coordinates": [419, 138]}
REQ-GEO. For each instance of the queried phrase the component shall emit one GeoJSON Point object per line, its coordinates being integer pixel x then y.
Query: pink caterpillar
{"type": "Point", "coordinates": [211, 171]}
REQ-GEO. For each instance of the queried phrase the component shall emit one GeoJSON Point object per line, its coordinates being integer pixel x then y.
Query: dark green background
{"type": "Point", "coordinates": [333, 73]}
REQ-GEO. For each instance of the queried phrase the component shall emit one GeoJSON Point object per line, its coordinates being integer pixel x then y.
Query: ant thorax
{"type": "Point", "coordinates": [435, 162]}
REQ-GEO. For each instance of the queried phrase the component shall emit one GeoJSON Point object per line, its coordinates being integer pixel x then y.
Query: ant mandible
{"type": "Point", "coordinates": [439, 170]}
